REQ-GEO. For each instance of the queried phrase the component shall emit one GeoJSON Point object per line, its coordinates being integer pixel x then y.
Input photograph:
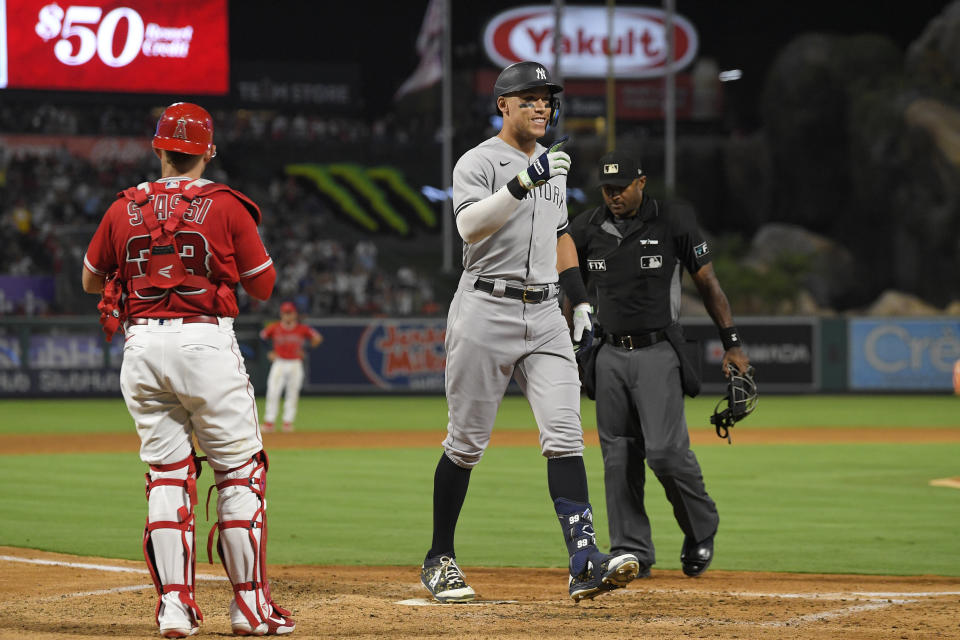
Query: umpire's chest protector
{"type": "Point", "coordinates": [633, 270]}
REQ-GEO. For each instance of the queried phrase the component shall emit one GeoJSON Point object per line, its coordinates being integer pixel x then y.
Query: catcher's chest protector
{"type": "Point", "coordinates": [165, 269]}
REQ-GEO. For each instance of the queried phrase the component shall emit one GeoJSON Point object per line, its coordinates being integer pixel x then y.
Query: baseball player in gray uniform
{"type": "Point", "coordinates": [505, 322]}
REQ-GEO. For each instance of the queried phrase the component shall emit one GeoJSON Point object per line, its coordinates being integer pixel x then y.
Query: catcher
{"type": "Point", "coordinates": [174, 250]}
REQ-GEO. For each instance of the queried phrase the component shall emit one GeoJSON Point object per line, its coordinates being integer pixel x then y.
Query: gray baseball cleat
{"type": "Point", "coordinates": [604, 572]}
{"type": "Point", "coordinates": [445, 581]}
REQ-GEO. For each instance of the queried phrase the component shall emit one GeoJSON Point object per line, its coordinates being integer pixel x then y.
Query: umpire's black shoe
{"type": "Point", "coordinates": [695, 557]}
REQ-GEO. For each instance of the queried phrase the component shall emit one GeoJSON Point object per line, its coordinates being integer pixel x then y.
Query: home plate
{"type": "Point", "coordinates": [424, 602]}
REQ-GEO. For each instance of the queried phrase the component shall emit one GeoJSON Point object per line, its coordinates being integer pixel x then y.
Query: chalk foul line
{"type": "Point", "coordinates": [95, 567]}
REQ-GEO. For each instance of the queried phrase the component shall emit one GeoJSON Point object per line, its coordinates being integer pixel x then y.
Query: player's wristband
{"type": "Point", "coordinates": [572, 284]}
{"type": "Point", "coordinates": [730, 338]}
{"type": "Point", "coordinates": [516, 189]}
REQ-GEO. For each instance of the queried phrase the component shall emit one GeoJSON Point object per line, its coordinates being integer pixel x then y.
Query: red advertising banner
{"type": "Point", "coordinates": [94, 148]}
{"type": "Point", "coordinates": [136, 46]}
{"type": "Point", "coordinates": [696, 98]}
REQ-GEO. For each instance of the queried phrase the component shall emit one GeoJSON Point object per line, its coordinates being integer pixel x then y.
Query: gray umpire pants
{"type": "Point", "coordinates": [640, 419]}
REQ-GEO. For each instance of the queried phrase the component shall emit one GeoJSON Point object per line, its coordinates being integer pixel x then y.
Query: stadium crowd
{"type": "Point", "coordinates": [52, 199]}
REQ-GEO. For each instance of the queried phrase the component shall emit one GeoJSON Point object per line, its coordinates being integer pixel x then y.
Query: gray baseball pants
{"type": "Point", "coordinates": [640, 418]}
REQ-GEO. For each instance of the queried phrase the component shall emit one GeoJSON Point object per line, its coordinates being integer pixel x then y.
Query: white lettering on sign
{"type": "Point", "coordinates": [909, 351]}
{"type": "Point", "coordinates": [93, 36]}
{"type": "Point", "coordinates": [638, 43]}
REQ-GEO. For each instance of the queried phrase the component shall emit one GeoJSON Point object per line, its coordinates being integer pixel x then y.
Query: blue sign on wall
{"type": "Point", "coordinates": [903, 354]}
{"type": "Point", "coordinates": [378, 355]}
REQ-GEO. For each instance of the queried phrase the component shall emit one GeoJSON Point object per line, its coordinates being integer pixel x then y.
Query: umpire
{"type": "Point", "coordinates": [633, 248]}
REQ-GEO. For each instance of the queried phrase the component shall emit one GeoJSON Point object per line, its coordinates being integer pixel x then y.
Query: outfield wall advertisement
{"type": "Point", "coordinates": [900, 354]}
{"type": "Point", "coordinates": [69, 357]}
{"type": "Point", "coordinates": [378, 355]}
{"type": "Point", "coordinates": [784, 352]}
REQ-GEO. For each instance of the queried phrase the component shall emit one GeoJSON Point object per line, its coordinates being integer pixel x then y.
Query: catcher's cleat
{"type": "Point", "coordinates": [604, 572]}
{"type": "Point", "coordinates": [279, 623]}
{"type": "Point", "coordinates": [178, 631]}
{"type": "Point", "coordinates": [695, 557]}
{"type": "Point", "coordinates": [445, 581]}
{"type": "Point", "coordinates": [267, 427]}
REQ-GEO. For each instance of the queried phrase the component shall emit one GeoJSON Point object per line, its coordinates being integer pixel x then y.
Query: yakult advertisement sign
{"type": "Point", "coordinates": [639, 42]}
{"type": "Point", "coordinates": [174, 46]}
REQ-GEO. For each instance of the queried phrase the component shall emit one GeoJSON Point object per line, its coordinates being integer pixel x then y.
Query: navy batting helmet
{"type": "Point", "coordinates": [527, 75]}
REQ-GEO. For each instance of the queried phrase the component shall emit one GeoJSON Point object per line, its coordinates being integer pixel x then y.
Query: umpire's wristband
{"type": "Point", "coordinates": [730, 338]}
{"type": "Point", "coordinates": [572, 284]}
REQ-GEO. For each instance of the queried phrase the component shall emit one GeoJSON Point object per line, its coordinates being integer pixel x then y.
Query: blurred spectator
{"type": "Point", "coordinates": [51, 202]}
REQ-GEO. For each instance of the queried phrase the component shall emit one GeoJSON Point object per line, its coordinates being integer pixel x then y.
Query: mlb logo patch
{"type": "Point", "coordinates": [651, 262]}
{"type": "Point", "coordinates": [596, 265]}
{"type": "Point", "coordinates": [611, 168]}
{"type": "Point", "coordinates": [701, 250]}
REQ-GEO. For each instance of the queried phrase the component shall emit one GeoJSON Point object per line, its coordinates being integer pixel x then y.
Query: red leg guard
{"type": "Point", "coordinates": [242, 547]}
{"type": "Point", "coordinates": [171, 496]}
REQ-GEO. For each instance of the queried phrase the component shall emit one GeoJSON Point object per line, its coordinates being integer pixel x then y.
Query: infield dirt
{"type": "Point", "coordinates": [46, 595]}
{"type": "Point", "coordinates": [50, 601]}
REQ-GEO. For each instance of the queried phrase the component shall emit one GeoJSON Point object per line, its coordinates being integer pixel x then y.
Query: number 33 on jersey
{"type": "Point", "coordinates": [197, 221]}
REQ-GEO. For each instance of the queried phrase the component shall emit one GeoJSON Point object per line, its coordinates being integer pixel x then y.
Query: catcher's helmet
{"type": "Point", "coordinates": [527, 75]}
{"type": "Point", "coordinates": [742, 397]}
{"type": "Point", "coordinates": [184, 127]}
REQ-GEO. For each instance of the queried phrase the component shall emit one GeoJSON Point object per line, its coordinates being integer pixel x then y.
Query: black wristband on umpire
{"type": "Point", "coordinates": [516, 189]}
{"type": "Point", "coordinates": [730, 338]}
{"type": "Point", "coordinates": [572, 284]}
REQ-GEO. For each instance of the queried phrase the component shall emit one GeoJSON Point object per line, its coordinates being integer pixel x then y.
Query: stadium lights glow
{"type": "Point", "coordinates": [731, 74]}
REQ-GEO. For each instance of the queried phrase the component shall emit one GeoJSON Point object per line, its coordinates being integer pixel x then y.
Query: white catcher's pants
{"type": "Point", "coordinates": [179, 379]}
{"type": "Point", "coordinates": [286, 377]}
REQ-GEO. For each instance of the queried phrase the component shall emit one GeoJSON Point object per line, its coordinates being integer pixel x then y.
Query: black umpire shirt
{"type": "Point", "coordinates": [633, 265]}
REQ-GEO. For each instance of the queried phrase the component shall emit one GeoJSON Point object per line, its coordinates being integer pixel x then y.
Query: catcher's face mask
{"type": "Point", "coordinates": [742, 398]}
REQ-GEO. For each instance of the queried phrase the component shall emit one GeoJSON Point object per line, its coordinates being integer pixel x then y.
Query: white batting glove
{"type": "Point", "coordinates": [582, 326]}
{"type": "Point", "coordinates": [549, 164]}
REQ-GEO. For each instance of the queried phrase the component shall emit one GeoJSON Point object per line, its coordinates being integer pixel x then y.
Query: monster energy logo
{"type": "Point", "coordinates": [368, 196]}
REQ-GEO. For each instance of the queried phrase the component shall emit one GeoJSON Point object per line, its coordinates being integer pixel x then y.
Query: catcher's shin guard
{"type": "Point", "coordinates": [242, 546]}
{"type": "Point", "coordinates": [169, 544]}
{"type": "Point", "coordinates": [576, 520]}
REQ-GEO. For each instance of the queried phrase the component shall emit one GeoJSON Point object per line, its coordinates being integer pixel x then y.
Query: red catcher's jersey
{"type": "Point", "coordinates": [288, 342]}
{"type": "Point", "coordinates": [217, 238]}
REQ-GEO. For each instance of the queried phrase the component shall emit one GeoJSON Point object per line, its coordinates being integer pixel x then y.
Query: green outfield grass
{"type": "Point", "coordinates": [379, 413]}
{"type": "Point", "coordinates": [851, 508]}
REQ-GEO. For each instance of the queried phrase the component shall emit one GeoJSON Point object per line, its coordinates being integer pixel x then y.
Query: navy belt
{"type": "Point", "coordinates": [637, 341]}
{"type": "Point", "coordinates": [533, 295]}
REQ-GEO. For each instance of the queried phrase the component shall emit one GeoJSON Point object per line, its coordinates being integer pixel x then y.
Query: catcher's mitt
{"type": "Point", "coordinates": [112, 315]}
{"type": "Point", "coordinates": [742, 398]}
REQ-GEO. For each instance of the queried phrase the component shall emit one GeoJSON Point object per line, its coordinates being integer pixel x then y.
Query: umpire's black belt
{"type": "Point", "coordinates": [636, 341]}
{"type": "Point", "coordinates": [502, 289]}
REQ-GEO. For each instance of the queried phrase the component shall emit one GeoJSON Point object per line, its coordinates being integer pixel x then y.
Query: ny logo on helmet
{"type": "Point", "coordinates": [541, 73]}
{"type": "Point", "coordinates": [181, 130]}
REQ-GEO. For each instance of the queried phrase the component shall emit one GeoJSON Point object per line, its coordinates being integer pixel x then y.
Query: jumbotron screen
{"type": "Point", "coordinates": [136, 46]}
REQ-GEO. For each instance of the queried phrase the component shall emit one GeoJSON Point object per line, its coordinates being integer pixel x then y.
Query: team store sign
{"type": "Point", "coordinates": [639, 40]}
{"type": "Point", "coordinates": [177, 46]}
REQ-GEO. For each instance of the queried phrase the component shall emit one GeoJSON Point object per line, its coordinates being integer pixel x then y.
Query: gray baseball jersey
{"type": "Point", "coordinates": [524, 249]}
{"type": "Point", "coordinates": [491, 338]}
